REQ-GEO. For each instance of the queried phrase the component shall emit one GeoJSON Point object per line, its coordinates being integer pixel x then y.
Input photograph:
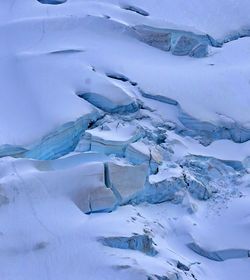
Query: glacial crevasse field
{"type": "Point", "coordinates": [124, 140]}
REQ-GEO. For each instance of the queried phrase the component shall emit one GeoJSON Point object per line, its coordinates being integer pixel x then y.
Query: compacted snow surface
{"type": "Point", "coordinates": [124, 140]}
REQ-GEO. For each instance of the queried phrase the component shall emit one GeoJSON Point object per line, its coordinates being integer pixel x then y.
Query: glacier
{"type": "Point", "coordinates": [124, 140]}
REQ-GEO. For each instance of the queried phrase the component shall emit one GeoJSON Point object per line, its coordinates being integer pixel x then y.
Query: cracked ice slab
{"type": "Point", "coordinates": [78, 178]}
{"type": "Point", "coordinates": [62, 141]}
{"type": "Point", "coordinates": [138, 153]}
{"type": "Point", "coordinates": [225, 128]}
{"type": "Point", "coordinates": [11, 150]}
{"type": "Point", "coordinates": [90, 180]}
{"type": "Point", "coordinates": [125, 180]}
{"type": "Point", "coordinates": [142, 243]}
{"type": "Point", "coordinates": [220, 255]}
{"type": "Point", "coordinates": [112, 138]}
{"type": "Point", "coordinates": [107, 96]}
{"type": "Point", "coordinates": [167, 185]}
{"type": "Point", "coordinates": [179, 42]}
{"type": "Point", "coordinates": [171, 183]}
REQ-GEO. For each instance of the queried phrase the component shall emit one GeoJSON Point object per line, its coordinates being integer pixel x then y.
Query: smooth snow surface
{"type": "Point", "coordinates": [124, 140]}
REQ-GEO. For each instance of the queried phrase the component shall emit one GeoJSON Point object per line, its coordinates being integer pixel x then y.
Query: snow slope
{"type": "Point", "coordinates": [124, 139]}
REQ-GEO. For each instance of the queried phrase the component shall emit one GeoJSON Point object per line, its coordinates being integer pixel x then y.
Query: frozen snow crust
{"type": "Point", "coordinates": [124, 140]}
